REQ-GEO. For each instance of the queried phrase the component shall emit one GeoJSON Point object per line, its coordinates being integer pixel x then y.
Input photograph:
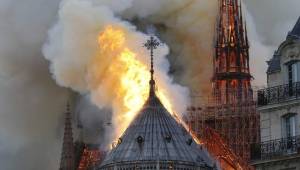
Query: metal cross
{"type": "Point", "coordinates": [151, 45]}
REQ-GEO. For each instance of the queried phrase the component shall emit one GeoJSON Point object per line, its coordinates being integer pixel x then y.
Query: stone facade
{"type": "Point", "coordinates": [279, 108]}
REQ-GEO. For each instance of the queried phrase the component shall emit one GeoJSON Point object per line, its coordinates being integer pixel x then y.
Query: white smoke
{"type": "Point", "coordinates": [73, 44]}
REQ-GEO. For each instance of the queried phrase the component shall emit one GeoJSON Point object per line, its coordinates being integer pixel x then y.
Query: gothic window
{"type": "Point", "coordinates": [232, 60]}
{"type": "Point", "coordinates": [217, 65]}
{"type": "Point", "coordinates": [242, 62]}
{"type": "Point", "coordinates": [223, 63]}
{"type": "Point", "coordinates": [246, 64]}
{"type": "Point", "coordinates": [233, 90]}
{"type": "Point", "coordinates": [220, 65]}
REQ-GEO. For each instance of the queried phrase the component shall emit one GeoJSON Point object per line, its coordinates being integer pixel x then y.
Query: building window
{"type": "Point", "coordinates": [294, 72]}
{"type": "Point", "coordinates": [289, 125]}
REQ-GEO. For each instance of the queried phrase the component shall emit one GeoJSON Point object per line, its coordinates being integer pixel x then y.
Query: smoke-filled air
{"type": "Point", "coordinates": [90, 52]}
{"type": "Point", "coordinates": [107, 60]}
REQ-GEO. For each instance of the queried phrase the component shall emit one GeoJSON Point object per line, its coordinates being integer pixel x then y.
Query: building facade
{"type": "Point", "coordinates": [279, 108]}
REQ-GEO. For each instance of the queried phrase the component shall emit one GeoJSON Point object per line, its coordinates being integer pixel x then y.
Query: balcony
{"type": "Point", "coordinates": [278, 94]}
{"type": "Point", "coordinates": [277, 148]}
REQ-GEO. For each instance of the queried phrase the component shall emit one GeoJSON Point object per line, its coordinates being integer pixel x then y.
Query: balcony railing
{"type": "Point", "coordinates": [278, 94]}
{"type": "Point", "coordinates": [276, 148]}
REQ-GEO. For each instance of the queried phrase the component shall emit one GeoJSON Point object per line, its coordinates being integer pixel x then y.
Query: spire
{"type": "Point", "coordinates": [67, 156]}
{"type": "Point", "coordinates": [230, 23]}
{"type": "Point", "coordinates": [241, 13]}
{"type": "Point", "coordinates": [241, 25]}
{"type": "Point", "coordinates": [152, 44]}
{"type": "Point", "coordinates": [231, 68]}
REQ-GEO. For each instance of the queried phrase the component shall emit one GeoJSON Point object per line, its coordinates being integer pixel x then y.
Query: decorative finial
{"type": "Point", "coordinates": [152, 44]}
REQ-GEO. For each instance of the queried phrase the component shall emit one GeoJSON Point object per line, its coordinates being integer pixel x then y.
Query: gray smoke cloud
{"type": "Point", "coordinates": [269, 22]}
{"type": "Point", "coordinates": [95, 122]}
{"type": "Point", "coordinates": [32, 104]}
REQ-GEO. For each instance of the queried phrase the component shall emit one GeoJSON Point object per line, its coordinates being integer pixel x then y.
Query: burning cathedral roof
{"type": "Point", "coordinates": [155, 140]}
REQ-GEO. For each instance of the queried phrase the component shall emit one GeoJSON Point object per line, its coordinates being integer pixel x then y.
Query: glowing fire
{"type": "Point", "coordinates": [126, 77]}
{"type": "Point", "coordinates": [120, 77]}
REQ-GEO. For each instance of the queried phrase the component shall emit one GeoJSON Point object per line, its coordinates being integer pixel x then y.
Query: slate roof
{"type": "Point", "coordinates": [295, 33]}
{"type": "Point", "coordinates": [154, 135]}
{"type": "Point", "coordinates": [274, 64]}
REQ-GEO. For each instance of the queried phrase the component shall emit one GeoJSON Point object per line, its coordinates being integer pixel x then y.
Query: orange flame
{"type": "Point", "coordinates": [124, 80]}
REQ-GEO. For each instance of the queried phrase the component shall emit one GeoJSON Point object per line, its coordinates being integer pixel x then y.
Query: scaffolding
{"type": "Point", "coordinates": [237, 124]}
{"type": "Point", "coordinates": [231, 111]}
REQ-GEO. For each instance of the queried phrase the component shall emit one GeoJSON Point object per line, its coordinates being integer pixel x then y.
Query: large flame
{"type": "Point", "coordinates": [126, 80]}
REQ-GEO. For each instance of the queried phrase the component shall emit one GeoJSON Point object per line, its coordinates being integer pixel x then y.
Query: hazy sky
{"type": "Point", "coordinates": [269, 22]}
{"type": "Point", "coordinates": [32, 104]}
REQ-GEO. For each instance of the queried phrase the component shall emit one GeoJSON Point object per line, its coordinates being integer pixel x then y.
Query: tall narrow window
{"type": "Point", "coordinates": [293, 77]}
{"type": "Point", "coordinates": [294, 72]}
{"type": "Point", "coordinates": [289, 125]}
{"type": "Point", "coordinates": [290, 71]}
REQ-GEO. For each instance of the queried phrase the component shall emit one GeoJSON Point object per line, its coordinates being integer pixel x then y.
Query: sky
{"type": "Point", "coordinates": [31, 102]}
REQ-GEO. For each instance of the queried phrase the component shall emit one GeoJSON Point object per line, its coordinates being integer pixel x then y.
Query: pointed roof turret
{"type": "Point", "coordinates": [155, 140]}
{"type": "Point", "coordinates": [67, 156]}
{"type": "Point", "coordinates": [274, 65]}
{"type": "Point", "coordinates": [230, 30]}
{"type": "Point", "coordinates": [295, 33]}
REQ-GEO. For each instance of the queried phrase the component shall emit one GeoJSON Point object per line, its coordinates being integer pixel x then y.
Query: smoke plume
{"type": "Point", "coordinates": [31, 103]}
{"type": "Point", "coordinates": [92, 60]}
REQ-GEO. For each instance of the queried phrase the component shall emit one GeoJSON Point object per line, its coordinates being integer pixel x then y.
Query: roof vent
{"type": "Point", "coordinates": [168, 138]}
{"type": "Point", "coordinates": [189, 141]}
{"type": "Point", "coordinates": [120, 141]}
{"type": "Point", "coordinates": [139, 139]}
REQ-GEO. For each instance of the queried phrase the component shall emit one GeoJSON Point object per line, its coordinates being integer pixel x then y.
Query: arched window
{"type": "Point", "coordinates": [232, 60]}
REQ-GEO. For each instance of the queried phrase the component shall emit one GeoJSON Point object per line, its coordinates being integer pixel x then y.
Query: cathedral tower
{"type": "Point", "coordinates": [231, 79]}
{"type": "Point", "coordinates": [232, 111]}
{"type": "Point", "coordinates": [67, 157]}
